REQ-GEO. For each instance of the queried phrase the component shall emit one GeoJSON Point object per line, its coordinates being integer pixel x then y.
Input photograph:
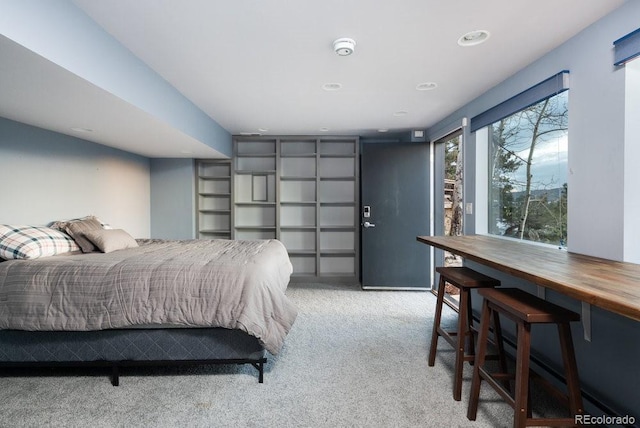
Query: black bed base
{"type": "Point", "coordinates": [129, 348]}
{"type": "Point", "coordinates": [115, 366]}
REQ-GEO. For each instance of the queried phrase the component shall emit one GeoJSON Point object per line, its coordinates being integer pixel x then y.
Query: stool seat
{"type": "Point", "coordinates": [525, 310]}
{"type": "Point", "coordinates": [527, 307]}
{"type": "Point", "coordinates": [464, 279]}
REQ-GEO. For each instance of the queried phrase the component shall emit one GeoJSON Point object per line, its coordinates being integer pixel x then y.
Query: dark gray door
{"type": "Point", "coordinates": [395, 193]}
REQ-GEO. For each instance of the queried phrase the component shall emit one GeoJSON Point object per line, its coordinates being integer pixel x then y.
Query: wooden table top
{"type": "Point", "coordinates": [608, 284]}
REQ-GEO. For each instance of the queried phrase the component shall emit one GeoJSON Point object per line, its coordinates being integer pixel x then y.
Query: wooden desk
{"type": "Point", "coordinates": [608, 284]}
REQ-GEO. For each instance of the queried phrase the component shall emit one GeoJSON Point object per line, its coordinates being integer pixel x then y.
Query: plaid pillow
{"type": "Point", "coordinates": [31, 242]}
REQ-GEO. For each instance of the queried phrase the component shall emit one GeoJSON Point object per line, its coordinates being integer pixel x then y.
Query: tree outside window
{"type": "Point", "coordinates": [528, 173]}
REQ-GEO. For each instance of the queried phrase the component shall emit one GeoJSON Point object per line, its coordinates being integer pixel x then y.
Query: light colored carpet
{"type": "Point", "coordinates": [352, 359]}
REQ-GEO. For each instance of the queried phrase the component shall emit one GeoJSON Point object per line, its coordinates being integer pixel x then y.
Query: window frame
{"type": "Point", "coordinates": [480, 128]}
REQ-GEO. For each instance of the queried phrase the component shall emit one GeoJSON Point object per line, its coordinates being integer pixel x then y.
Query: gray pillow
{"type": "Point", "coordinates": [78, 228]}
{"type": "Point", "coordinates": [108, 240]}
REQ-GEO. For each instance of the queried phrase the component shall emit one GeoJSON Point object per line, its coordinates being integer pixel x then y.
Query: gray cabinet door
{"type": "Point", "coordinates": [395, 188]}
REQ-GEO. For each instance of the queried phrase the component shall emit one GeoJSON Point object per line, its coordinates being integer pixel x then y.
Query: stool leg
{"type": "Point", "coordinates": [483, 337]}
{"type": "Point", "coordinates": [463, 325]}
{"type": "Point", "coordinates": [522, 375]}
{"type": "Point", "coordinates": [570, 369]}
{"type": "Point", "coordinates": [497, 338]}
{"type": "Point", "coordinates": [436, 322]}
{"type": "Point", "coordinates": [470, 327]}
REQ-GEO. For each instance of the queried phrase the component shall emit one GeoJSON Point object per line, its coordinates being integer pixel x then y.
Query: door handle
{"type": "Point", "coordinates": [368, 225]}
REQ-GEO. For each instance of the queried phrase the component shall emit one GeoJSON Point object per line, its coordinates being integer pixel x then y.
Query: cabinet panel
{"type": "Point", "coordinates": [297, 191]}
{"type": "Point", "coordinates": [337, 240]}
{"type": "Point", "coordinates": [337, 265]}
{"type": "Point", "coordinates": [255, 216]}
{"type": "Point", "coordinates": [299, 240]}
{"type": "Point", "coordinates": [298, 167]}
{"type": "Point", "coordinates": [214, 186]}
{"type": "Point", "coordinates": [337, 215]}
{"type": "Point", "coordinates": [298, 147]}
{"type": "Point", "coordinates": [256, 147]}
{"type": "Point", "coordinates": [214, 202]}
{"type": "Point", "coordinates": [252, 234]}
{"type": "Point", "coordinates": [337, 147]}
{"type": "Point", "coordinates": [251, 163]}
{"type": "Point", "coordinates": [303, 264]}
{"type": "Point", "coordinates": [337, 191]}
{"type": "Point", "coordinates": [337, 167]}
{"type": "Point", "coordinates": [295, 215]}
{"type": "Point", "coordinates": [213, 221]}
{"type": "Point", "coordinates": [255, 188]}
{"type": "Point", "coordinates": [209, 169]}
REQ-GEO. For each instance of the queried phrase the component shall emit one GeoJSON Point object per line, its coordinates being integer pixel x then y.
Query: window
{"type": "Point", "coordinates": [453, 187]}
{"type": "Point", "coordinates": [528, 172]}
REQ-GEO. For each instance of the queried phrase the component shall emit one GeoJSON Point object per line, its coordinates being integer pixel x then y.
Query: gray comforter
{"type": "Point", "coordinates": [219, 283]}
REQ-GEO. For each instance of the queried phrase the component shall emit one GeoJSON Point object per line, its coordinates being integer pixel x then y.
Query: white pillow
{"type": "Point", "coordinates": [31, 242]}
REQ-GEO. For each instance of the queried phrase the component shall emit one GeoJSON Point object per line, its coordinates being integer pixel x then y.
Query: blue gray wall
{"type": "Point", "coordinates": [173, 199]}
{"type": "Point", "coordinates": [62, 33]}
{"type": "Point", "coordinates": [49, 176]}
{"type": "Point", "coordinates": [600, 221]}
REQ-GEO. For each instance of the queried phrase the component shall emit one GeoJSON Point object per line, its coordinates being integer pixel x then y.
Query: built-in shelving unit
{"type": "Point", "coordinates": [254, 189]}
{"type": "Point", "coordinates": [338, 208]}
{"type": "Point", "coordinates": [304, 192]}
{"type": "Point", "coordinates": [213, 198]}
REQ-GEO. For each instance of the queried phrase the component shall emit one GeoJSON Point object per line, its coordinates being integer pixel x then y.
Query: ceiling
{"type": "Point", "coordinates": [260, 66]}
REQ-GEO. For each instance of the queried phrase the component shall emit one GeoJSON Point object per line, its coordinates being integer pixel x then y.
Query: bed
{"type": "Point", "coordinates": [152, 302]}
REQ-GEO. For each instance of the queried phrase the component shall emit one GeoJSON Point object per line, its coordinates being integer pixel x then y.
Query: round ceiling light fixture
{"type": "Point", "coordinates": [344, 46]}
{"type": "Point", "coordinates": [332, 86]}
{"type": "Point", "coordinates": [81, 130]}
{"type": "Point", "coordinates": [473, 38]}
{"type": "Point", "coordinates": [426, 86]}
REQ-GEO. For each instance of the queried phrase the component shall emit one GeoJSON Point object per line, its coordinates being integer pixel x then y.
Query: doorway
{"type": "Point", "coordinates": [395, 207]}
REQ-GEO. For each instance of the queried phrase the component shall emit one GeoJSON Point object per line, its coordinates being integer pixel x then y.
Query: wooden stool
{"type": "Point", "coordinates": [464, 279]}
{"type": "Point", "coordinates": [525, 309]}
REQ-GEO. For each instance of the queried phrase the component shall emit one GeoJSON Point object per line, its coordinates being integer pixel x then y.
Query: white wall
{"type": "Point", "coordinates": [595, 223]}
{"type": "Point", "coordinates": [631, 161]}
{"type": "Point", "coordinates": [48, 176]}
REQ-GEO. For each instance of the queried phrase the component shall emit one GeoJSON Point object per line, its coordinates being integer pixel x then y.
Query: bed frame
{"type": "Point", "coordinates": [130, 347]}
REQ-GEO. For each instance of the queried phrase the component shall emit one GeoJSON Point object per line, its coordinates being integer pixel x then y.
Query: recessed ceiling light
{"type": "Point", "coordinates": [324, 129]}
{"type": "Point", "coordinates": [383, 130]}
{"type": "Point", "coordinates": [400, 113]}
{"type": "Point", "coordinates": [332, 86]}
{"type": "Point", "coordinates": [263, 130]}
{"type": "Point", "coordinates": [426, 86]}
{"type": "Point", "coordinates": [473, 38]}
{"type": "Point", "coordinates": [84, 130]}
